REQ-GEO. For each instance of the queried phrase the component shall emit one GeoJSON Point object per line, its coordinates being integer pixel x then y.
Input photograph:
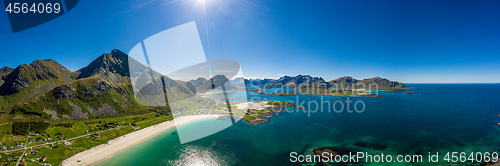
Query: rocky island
{"type": "Point", "coordinates": [330, 150]}
{"type": "Point", "coordinates": [498, 123]}
{"type": "Point", "coordinates": [260, 112]}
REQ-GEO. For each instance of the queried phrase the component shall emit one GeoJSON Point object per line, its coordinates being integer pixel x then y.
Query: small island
{"type": "Point", "coordinates": [491, 163]}
{"type": "Point", "coordinates": [499, 117]}
{"type": "Point", "coordinates": [330, 150]}
{"type": "Point", "coordinates": [409, 93]}
{"type": "Point", "coordinates": [260, 112]}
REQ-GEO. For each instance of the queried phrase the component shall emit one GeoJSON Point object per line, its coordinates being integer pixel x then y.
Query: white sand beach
{"type": "Point", "coordinates": [101, 152]}
{"type": "Point", "coordinates": [252, 105]}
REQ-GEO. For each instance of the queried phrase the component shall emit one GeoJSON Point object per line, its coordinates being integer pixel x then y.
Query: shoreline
{"type": "Point", "coordinates": [102, 152]}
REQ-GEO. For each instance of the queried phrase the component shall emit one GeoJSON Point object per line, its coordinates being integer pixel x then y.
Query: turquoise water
{"type": "Point", "coordinates": [437, 118]}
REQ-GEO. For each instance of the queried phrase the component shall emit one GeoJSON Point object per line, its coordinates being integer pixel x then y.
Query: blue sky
{"type": "Point", "coordinates": [411, 41]}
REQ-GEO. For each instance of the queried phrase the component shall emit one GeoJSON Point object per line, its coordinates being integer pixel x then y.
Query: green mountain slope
{"type": "Point", "coordinates": [47, 90]}
{"type": "Point", "coordinates": [29, 81]}
{"type": "Point", "coordinates": [85, 98]}
{"type": "Point", "coordinates": [40, 70]}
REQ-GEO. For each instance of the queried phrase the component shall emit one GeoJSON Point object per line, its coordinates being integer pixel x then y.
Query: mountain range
{"type": "Point", "coordinates": [293, 81]}
{"type": "Point", "coordinates": [216, 82]}
{"type": "Point", "coordinates": [45, 89]}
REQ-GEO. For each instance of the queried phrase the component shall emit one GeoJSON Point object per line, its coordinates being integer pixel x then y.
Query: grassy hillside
{"type": "Point", "coordinates": [46, 90]}
{"type": "Point", "coordinates": [82, 99]}
{"type": "Point", "coordinates": [46, 98]}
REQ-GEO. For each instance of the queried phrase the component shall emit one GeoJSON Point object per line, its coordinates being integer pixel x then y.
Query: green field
{"type": "Point", "coordinates": [73, 131]}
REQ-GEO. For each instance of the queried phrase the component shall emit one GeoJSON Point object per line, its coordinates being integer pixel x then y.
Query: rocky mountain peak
{"type": "Point", "coordinates": [215, 83]}
{"type": "Point", "coordinates": [238, 81]}
{"type": "Point", "coordinates": [198, 81]}
{"type": "Point", "coordinates": [376, 78]}
{"type": "Point", "coordinates": [345, 79]}
{"type": "Point", "coordinates": [114, 62]}
{"type": "Point", "coordinates": [24, 75]}
{"type": "Point", "coordinates": [283, 80]}
{"type": "Point", "coordinates": [6, 69]}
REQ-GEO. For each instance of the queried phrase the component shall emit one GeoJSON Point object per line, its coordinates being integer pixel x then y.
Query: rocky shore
{"type": "Point", "coordinates": [330, 150]}
{"type": "Point", "coordinates": [256, 117]}
{"type": "Point", "coordinates": [499, 117]}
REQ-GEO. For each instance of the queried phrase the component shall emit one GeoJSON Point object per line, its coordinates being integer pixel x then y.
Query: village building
{"type": "Point", "coordinates": [68, 143]}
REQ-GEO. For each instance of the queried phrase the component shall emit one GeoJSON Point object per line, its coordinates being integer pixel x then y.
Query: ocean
{"type": "Point", "coordinates": [436, 118]}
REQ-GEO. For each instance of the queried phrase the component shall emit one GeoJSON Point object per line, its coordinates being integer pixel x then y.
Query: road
{"type": "Point", "coordinates": [20, 157]}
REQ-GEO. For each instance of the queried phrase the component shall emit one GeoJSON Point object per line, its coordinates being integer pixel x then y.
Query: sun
{"type": "Point", "coordinates": [202, 2]}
